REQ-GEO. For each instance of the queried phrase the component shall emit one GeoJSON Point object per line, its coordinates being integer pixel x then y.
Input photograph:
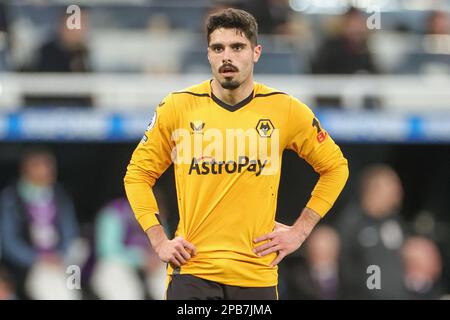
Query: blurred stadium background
{"type": "Point", "coordinates": [85, 97]}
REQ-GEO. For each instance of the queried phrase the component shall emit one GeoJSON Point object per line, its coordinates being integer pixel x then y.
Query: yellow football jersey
{"type": "Point", "coordinates": [227, 162]}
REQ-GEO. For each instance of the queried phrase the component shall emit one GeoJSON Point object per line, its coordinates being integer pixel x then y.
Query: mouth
{"type": "Point", "coordinates": [228, 71]}
{"type": "Point", "coordinates": [228, 74]}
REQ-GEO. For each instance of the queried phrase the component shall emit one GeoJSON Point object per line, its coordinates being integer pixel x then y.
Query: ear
{"type": "Point", "coordinates": [257, 53]}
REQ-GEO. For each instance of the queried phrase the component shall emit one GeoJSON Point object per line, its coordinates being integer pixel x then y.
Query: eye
{"type": "Point", "coordinates": [238, 47]}
{"type": "Point", "coordinates": [217, 49]}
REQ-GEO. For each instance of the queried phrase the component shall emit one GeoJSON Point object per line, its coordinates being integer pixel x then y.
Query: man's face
{"type": "Point", "coordinates": [40, 170]}
{"type": "Point", "coordinates": [232, 57]}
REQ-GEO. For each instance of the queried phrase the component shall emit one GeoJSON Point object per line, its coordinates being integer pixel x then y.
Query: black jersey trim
{"type": "Point", "coordinates": [258, 95]}
{"type": "Point", "coordinates": [232, 108]}
{"type": "Point", "coordinates": [193, 93]}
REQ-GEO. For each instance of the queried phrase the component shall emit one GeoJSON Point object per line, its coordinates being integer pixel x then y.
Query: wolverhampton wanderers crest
{"type": "Point", "coordinates": [265, 128]}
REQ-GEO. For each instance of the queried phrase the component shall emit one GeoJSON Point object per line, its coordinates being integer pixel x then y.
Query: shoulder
{"type": "Point", "coordinates": [263, 91]}
{"type": "Point", "coordinates": [198, 90]}
{"type": "Point", "coordinates": [184, 96]}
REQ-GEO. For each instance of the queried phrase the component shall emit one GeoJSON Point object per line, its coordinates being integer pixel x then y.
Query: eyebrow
{"type": "Point", "coordinates": [238, 44]}
{"type": "Point", "coordinates": [216, 44]}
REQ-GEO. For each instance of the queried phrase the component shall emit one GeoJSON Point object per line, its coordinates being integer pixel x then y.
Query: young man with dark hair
{"type": "Point", "coordinates": [226, 137]}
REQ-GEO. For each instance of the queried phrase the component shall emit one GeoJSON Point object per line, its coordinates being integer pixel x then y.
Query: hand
{"type": "Point", "coordinates": [284, 240]}
{"type": "Point", "coordinates": [176, 251]}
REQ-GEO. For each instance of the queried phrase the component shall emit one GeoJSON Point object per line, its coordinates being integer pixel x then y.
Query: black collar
{"type": "Point", "coordinates": [230, 107]}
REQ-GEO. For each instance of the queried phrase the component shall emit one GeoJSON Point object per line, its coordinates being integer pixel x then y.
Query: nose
{"type": "Point", "coordinates": [226, 55]}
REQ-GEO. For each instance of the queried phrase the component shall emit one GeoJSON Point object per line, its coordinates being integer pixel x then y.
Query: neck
{"type": "Point", "coordinates": [234, 96]}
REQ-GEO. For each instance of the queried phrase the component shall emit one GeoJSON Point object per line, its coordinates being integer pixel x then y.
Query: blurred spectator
{"type": "Point", "coordinates": [38, 227]}
{"type": "Point", "coordinates": [165, 42]}
{"type": "Point", "coordinates": [372, 233]}
{"type": "Point", "coordinates": [346, 53]}
{"type": "Point", "coordinates": [272, 15]}
{"type": "Point", "coordinates": [6, 285]}
{"type": "Point", "coordinates": [438, 22]}
{"type": "Point", "coordinates": [3, 18]}
{"type": "Point", "coordinates": [65, 52]}
{"type": "Point", "coordinates": [423, 267]}
{"type": "Point", "coordinates": [126, 267]}
{"type": "Point", "coordinates": [433, 56]}
{"type": "Point", "coordinates": [318, 277]}
{"type": "Point", "coordinates": [3, 37]}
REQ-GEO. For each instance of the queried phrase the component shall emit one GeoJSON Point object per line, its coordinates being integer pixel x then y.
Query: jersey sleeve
{"type": "Point", "coordinates": [150, 159]}
{"type": "Point", "coordinates": [313, 143]}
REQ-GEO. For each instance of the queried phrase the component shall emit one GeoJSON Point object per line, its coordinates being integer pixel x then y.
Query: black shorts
{"type": "Point", "coordinates": [189, 287]}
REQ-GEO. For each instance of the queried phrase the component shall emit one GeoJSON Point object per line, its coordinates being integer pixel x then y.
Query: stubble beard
{"type": "Point", "coordinates": [230, 84]}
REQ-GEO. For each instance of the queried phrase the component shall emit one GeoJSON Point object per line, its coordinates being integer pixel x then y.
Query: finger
{"type": "Point", "coordinates": [278, 259]}
{"type": "Point", "coordinates": [165, 260]}
{"type": "Point", "coordinates": [264, 237]}
{"type": "Point", "coordinates": [265, 246]}
{"type": "Point", "coordinates": [174, 262]}
{"type": "Point", "coordinates": [179, 257]}
{"type": "Point", "coordinates": [269, 251]}
{"type": "Point", "coordinates": [190, 246]}
{"type": "Point", "coordinates": [184, 253]}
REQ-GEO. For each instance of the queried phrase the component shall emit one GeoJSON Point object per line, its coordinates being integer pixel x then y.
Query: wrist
{"type": "Point", "coordinates": [306, 222]}
{"type": "Point", "coordinates": [300, 230]}
{"type": "Point", "coordinates": [157, 237]}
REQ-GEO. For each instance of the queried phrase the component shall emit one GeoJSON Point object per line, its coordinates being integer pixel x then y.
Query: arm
{"type": "Point", "coordinates": [287, 239]}
{"type": "Point", "coordinates": [312, 143]}
{"type": "Point", "coordinates": [16, 250]}
{"type": "Point", "coordinates": [68, 222]}
{"type": "Point", "coordinates": [150, 159]}
{"type": "Point", "coordinates": [176, 251]}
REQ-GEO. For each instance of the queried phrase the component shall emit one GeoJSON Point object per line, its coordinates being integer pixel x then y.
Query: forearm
{"type": "Point", "coordinates": [143, 203]}
{"type": "Point", "coordinates": [285, 239]}
{"type": "Point", "coordinates": [328, 188]}
{"type": "Point", "coordinates": [157, 236]}
{"type": "Point", "coordinates": [69, 226]}
{"type": "Point", "coordinates": [19, 253]}
{"type": "Point", "coordinates": [15, 247]}
{"type": "Point", "coordinates": [306, 222]}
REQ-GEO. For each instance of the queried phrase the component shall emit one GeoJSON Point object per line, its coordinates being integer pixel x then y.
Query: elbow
{"type": "Point", "coordinates": [337, 171]}
{"type": "Point", "coordinates": [342, 172]}
{"type": "Point", "coordinates": [135, 174]}
{"type": "Point", "coordinates": [126, 178]}
{"type": "Point", "coordinates": [128, 175]}
{"type": "Point", "coordinates": [345, 170]}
